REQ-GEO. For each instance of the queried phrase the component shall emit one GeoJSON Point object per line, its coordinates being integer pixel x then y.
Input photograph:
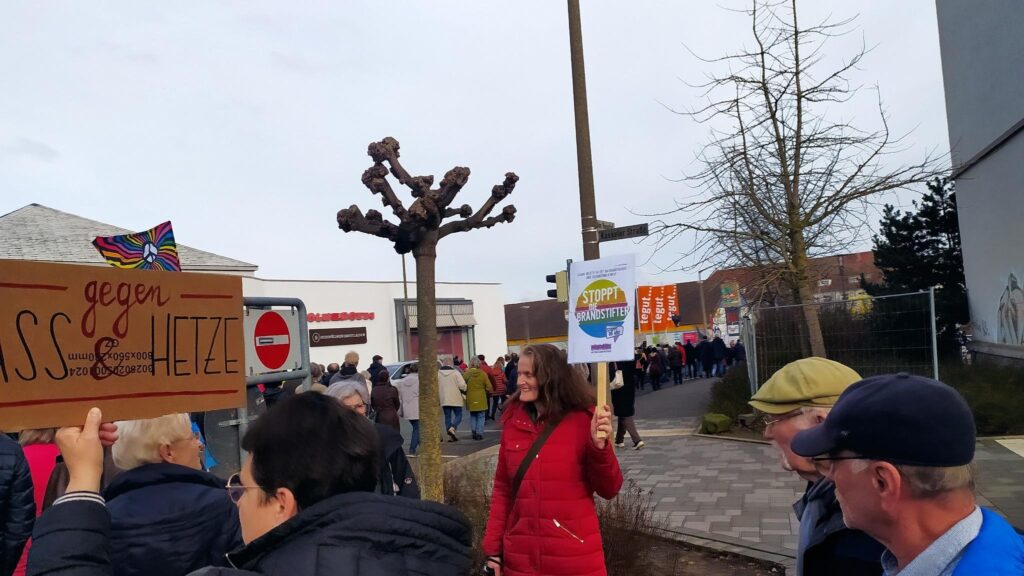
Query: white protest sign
{"type": "Point", "coordinates": [602, 300]}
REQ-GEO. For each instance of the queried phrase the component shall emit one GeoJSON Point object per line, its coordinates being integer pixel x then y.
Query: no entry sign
{"type": "Point", "coordinates": [272, 341]}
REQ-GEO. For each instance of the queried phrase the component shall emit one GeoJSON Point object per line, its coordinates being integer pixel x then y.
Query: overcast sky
{"type": "Point", "coordinates": [246, 123]}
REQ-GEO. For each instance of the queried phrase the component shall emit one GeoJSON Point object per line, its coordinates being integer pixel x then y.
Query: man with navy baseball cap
{"type": "Point", "coordinates": [900, 450]}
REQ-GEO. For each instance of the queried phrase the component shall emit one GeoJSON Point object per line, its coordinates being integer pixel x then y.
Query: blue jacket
{"type": "Point", "coordinates": [167, 520]}
{"type": "Point", "coordinates": [17, 504]}
{"type": "Point", "coordinates": [998, 550]}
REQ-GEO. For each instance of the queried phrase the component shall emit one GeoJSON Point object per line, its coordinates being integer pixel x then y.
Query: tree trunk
{"type": "Point", "coordinates": [431, 471]}
{"type": "Point", "coordinates": [809, 308]}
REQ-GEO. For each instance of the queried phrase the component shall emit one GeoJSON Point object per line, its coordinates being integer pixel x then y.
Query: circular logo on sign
{"type": "Point", "coordinates": [601, 309]}
{"type": "Point", "coordinates": [149, 253]}
{"type": "Point", "coordinates": [272, 340]}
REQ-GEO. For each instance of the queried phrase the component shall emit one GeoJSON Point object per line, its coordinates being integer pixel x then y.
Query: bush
{"type": "Point", "coordinates": [468, 488]}
{"type": "Point", "coordinates": [995, 394]}
{"type": "Point", "coordinates": [627, 528]}
{"type": "Point", "coordinates": [729, 395]}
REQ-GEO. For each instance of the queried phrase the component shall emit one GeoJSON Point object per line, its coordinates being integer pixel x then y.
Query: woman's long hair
{"type": "Point", "coordinates": [561, 388]}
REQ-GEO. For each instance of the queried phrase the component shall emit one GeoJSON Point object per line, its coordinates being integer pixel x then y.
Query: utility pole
{"type": "Point", "coordinates": [584, 164]}
{"type": "Point", "coordinates": [703, 312]}
{"type": "Point", "coordinates": [526, 310]}
{"type": "Point", "coordinates": [585, 169]}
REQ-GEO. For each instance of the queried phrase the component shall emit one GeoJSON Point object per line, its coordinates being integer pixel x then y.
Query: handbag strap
{"type": "Point", "coordinates": [531, 455]}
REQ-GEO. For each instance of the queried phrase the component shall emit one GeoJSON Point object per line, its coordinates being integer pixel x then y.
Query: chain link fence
{"type": "Point", "coordinates": [873, 336]}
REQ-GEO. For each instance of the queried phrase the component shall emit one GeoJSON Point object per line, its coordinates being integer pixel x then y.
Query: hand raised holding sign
{"type": "Point", "coordinates": [601, 427]}
{"type": "Point", "coordinates": [82, 449]}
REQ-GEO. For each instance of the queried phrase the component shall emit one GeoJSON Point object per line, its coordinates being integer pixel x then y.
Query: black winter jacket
{"type": "Point", "coordinates": [355, 534]}
{"type": "Point", "coordinates": [168, 520]}
{"type": "Point", "coordinates": [17, 504]}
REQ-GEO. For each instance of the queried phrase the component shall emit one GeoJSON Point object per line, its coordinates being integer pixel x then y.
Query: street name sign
{"type": "Point", "coordinates": [634, 231]}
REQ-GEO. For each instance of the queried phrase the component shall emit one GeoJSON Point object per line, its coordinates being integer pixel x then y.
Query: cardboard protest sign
{"type": "Point", "coordinates": [138, 344]}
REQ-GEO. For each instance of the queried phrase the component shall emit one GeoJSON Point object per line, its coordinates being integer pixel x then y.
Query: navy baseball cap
{"type": "Point", "coordinates": [899, 418]}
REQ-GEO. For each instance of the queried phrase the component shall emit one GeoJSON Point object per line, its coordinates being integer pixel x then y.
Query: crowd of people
{"type": "Point", "coordinates": [328, 489]}
{"type": "Point", "coordinates": [654, 365]}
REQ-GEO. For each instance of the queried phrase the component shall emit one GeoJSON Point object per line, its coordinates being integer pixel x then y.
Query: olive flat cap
{"type": "Point", "coordinates": [806, 382]}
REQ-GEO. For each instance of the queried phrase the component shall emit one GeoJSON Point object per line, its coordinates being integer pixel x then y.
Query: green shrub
{"type": "Point", "coordinates": [468, 488]}
{"type": "Point", "coordinates": [730, 394]}
{"type": "Point", "coordinates": [995, 394]}
{"type": "Point", "coordinates": [627, 528]}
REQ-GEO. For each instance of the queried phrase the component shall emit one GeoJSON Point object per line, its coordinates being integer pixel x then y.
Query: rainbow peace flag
{"type": "Point", "coordinates": [153, 249]}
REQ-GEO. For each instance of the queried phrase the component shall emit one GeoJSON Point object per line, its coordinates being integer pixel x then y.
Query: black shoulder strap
{"type": "Point", "coordinates": [531, 455]}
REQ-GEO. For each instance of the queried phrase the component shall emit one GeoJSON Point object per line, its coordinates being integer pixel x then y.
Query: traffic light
{"type": "Point", "coordinates": [561, 282]}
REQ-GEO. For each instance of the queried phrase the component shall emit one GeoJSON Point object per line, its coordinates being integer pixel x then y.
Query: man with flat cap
{"type": "Point", "coordinates": [900, 450]}
{"type": "Point", "coordinates": [798, 397]}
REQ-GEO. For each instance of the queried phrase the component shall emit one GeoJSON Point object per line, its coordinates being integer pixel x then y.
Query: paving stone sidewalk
{"type": "Point", "coordinates": [735, 495]}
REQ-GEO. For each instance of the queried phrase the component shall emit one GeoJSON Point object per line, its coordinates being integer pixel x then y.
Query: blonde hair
{"type": "Point", "coordinates": [352, 358]}
{"type": "Point", "coordinates": [139, 441]}
{"type": "Point", "coordinates": [37, 436]}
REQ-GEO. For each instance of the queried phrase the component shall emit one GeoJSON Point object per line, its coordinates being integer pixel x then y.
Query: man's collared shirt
{"type": "Point", "coordinates": [941, 557]}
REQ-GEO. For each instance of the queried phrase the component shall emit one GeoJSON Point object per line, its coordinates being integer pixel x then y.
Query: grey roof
{"type": "Point", "coordinates": [37, 232]}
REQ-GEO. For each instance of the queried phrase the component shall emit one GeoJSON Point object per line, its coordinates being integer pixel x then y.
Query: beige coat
{"type": "Point", "coordinates": [451, 386]}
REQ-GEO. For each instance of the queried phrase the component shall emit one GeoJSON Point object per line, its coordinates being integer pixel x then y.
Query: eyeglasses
{"type": "Point", "coordinates": [770, 420]}
{"type": "Point", "coordinates": [236, 489]}
{"type": "Point", "coordinates": [824, 464]}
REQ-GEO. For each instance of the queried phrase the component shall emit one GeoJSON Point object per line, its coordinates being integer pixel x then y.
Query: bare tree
{"type": "Point", "coordinates": [783, 179]}
{"type": "Point", "coordinates": [419, 229]}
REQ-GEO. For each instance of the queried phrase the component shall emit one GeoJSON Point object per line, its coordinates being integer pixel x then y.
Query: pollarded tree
{"type": "Point", "coordinates": [418, 230]}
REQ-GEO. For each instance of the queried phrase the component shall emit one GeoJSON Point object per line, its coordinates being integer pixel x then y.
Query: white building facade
{"type": "Point", "coordinates": [367, 317]}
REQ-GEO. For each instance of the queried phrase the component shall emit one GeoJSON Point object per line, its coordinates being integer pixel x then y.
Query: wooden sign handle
{"type": "Point", "coordinates": [602, 391]}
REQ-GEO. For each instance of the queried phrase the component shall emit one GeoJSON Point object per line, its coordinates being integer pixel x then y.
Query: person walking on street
{"type": "Point", "coordinates": [511, 374]}
{"type": "Point", "coordinates": [385, 401]}
{"type": "Point", "coordinates": [497, 396]}
{"type": "Point", "coordinates": [675, 362]}
{"type": "Point", "coordinates": [409, 392]}
{"type": "Point", "coordinates": [375, 367]}
{"type": "Point", "coordinates": [349, 372]}
{"type": "Point", "coordinates": [452, 388]}
{"type": "Point", "coordinates": [707, 357]}
{"type": "Point", "coordinates": [654, 368]}
{"type": "Point", "coordinates": [624, 405]}
{"type": "Point", "coordinates": [332, 370]}
{"type": "Point", "coordinates": [741, 352]}
{"type": "Point", "coordinates": [640, 367]}
{"type": "Point", "coordinates": [542, 518]}
{"type": "Point", "coordinates": [478, 386]}
{"type": "Point", "coordinates": [690, 353]}
{"type": "Point", "coordinates": [718, 350]}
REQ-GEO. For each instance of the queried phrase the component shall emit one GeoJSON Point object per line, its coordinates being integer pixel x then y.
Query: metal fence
{"type": "Point", "coordinates": [873, 336]}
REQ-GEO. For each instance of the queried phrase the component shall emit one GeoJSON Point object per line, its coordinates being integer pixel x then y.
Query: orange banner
{"type": "Point", "coordinates": [657, 304]}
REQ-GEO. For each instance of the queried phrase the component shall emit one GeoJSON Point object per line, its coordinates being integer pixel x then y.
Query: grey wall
{"type": "Point", "coordinates": [982, 44]}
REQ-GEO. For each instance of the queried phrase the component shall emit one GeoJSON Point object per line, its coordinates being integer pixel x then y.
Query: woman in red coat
{"type": "Point", "coordinates": [550, 526]}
